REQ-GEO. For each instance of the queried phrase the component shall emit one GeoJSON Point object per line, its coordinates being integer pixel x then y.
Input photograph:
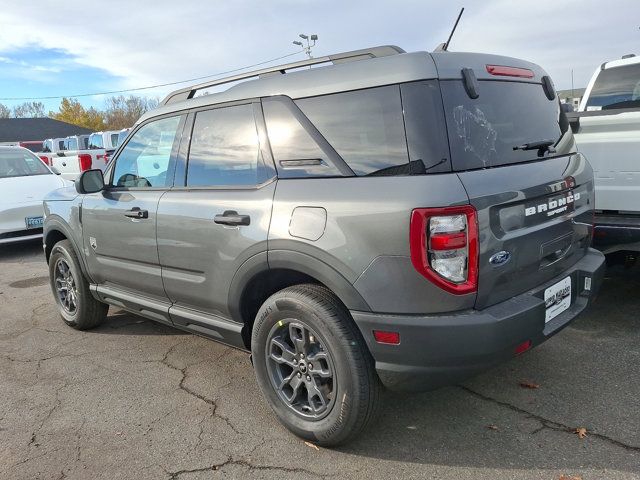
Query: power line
{"type": "Point", "coordinates": [113, 92]}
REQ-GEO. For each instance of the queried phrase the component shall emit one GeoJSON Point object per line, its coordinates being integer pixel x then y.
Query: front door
{"type": "Point", "coordinates": [218, 219]}
{"type": "Point", "coordinates": [119, 223]}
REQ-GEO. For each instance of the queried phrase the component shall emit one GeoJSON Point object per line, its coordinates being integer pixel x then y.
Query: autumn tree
{"type": "Point", "coordinates": [29, 110]}
{"type": "Point", "coordinates": [5, 112]}
{"type": "Point", "coordinates": [71, 111]}
{"type": "Point", "coordinates": [122, 112]}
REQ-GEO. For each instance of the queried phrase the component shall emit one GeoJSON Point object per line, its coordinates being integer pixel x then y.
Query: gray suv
{"type": "Point", "coordinates": [389, 219]}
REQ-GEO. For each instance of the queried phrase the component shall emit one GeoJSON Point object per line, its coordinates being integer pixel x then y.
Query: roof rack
{"type": "Point", "coordinates": [374, 52]}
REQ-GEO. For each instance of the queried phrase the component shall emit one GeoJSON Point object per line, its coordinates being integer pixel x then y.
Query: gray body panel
{"type": "Point", "coordinates": [500, 195]}
{"type": "Point", "coordinates": [121, 252]}
{"type": "Point", "coordinates": [366, 236]}
{"type": "Point", "coordinates": [199, 258]}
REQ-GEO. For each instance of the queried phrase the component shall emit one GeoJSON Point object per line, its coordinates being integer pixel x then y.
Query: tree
{"type": "Point", "coordinates": [71, 111]}
{"type": "Point", "coordinates": [122, 112]}
{"type": "Point", "coordinates": [5, 112]}
{"type": "Point", "coordinates": [29, 110]}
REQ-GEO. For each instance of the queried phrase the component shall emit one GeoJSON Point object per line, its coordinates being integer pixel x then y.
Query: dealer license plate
{"type": "Point", "coordinates": [557, 298]}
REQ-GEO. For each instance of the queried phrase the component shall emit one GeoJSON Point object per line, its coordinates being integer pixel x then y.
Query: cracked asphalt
{"type": "Point", "coordinates": [134, 399]}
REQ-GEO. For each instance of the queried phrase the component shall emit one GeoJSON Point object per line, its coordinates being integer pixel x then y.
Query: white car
{"type": "Point", "coordinates": [24, 182]}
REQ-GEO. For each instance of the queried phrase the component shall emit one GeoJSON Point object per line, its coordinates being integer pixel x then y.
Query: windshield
{"type": "Point", "coordinates": [484, 131]}
{"type": "Point", "coordinates": [20, 163]}
{"type": "Point", "coordinates": [617, 87]}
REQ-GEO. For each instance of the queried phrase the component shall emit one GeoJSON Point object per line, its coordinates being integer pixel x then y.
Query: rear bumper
{"type": "Point", "coordinates": [437, 350]}
{"type": "Point", "coordinates": [616, 232]}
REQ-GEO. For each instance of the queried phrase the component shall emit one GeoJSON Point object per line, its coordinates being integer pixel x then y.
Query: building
{"type": "Point", "coordinates": [16, 130]}
{"type": "Point", "coordinates": [571, 96]}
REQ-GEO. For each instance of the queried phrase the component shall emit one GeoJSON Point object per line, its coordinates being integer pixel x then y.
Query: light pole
{"type": "Point", "coordinates": [313, 38]}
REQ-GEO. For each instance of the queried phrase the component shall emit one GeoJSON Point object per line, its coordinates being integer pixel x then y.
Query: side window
{"type": "Point", "coordinates": [425, 127]}
{"type": "Point", "coordinates": [114, 140]}
{"type": "Point", "coordinates": [365, 127]}
{"type": "Point", "coordinates": [145, 160]}
{"type": "Point", "coordinates": [296, 153]}
{"type": "Point", "coordinates": [225, 149]}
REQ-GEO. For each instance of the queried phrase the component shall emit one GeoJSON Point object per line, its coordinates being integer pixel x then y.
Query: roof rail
{"type": "Point", "coordinates": [373, 52]}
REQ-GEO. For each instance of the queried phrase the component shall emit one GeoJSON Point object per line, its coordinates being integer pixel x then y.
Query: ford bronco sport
{"type": "Point", "coordinates": [390, 219]}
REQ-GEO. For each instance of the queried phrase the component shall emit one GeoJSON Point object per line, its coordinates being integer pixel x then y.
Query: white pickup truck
{"type": "Point", "coordinates": [73, 156]}
{"type": "Point", "coordinates": [607, 130]}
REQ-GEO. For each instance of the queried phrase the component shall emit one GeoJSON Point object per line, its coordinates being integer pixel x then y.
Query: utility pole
{"type": "Point", "coordinates": [572, 94]}
{"type": "Point", "coordinates": [307, 49]}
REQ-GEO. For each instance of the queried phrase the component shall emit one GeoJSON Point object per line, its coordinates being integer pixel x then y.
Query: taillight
{"type": "Point", "coordinates": [84, 161]}
{"type": "Point", "coordinates": [45, 160]}
{"type": "Point", "coordinates": [504, 71]}
{"type": "Point", "coordinates": [444, 247]}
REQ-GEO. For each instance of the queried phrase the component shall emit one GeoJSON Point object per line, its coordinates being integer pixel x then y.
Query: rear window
{"type": "Point", "coordinates": [617, 87]}
{"type": "Point", "coordinates": [484, 131]}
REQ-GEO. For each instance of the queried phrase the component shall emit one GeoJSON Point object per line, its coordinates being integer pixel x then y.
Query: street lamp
{"type": "Point", "coordinates": [307, 49]}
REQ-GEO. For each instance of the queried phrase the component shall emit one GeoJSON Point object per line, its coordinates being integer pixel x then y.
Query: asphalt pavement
{"type": "Point", "coordinates": [134, 399]}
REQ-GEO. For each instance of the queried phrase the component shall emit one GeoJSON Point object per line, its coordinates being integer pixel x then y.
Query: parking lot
{"type": "Point", "coordinates": [134, 399]}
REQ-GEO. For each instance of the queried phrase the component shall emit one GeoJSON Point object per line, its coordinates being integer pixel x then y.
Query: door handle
{"type": "Point", "coordinates": [231, 217]}
{"type": "Point", "coordinates": [135, 212]}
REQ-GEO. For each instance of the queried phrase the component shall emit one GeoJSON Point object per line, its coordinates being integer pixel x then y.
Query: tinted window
{"type": "Point", "coordinates": [617, 87]}
{"type": "Point", "coordinates": [483, 132]}
{"type": "Point", "coordinates": [145, 160]}
{"type": "Point", "coordinates": [224, 148]}
{"type": "Point", "coordinates": [47, 146]}
{"type": "Point", "coordinates": [425, 127]}
{"type": "Point", "coordinates": [365, 127]}
{"type": "Point", "coordinates": [294, 149]}
{"type": "Point", "coordinates": [114, 140]}
{"type": "Point", "coordinates": [18, 163]}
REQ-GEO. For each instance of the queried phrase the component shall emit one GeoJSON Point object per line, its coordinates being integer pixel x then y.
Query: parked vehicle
{"type": "Point", "coordinates": [607, 130]}
{"type": "Point", "coordinates": [397, 219]}
{"type": "Point", "coordinates": [122, 135]}
{"type": "Point", "coordinates": [33, 145]}
{"type": "Point", "coordinates": [105, 140]}
{"type": "Point", "coordinates": [24, 182]}
{"type": "Point", "coordinates": [72, 156]}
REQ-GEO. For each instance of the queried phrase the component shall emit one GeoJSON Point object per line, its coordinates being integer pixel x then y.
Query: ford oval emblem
{"type": "Point", "coordinates": [500, 258]}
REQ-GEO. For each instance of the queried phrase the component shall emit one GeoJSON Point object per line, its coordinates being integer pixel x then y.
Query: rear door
{"type": "Point", "coordinates": [534, 205]}
{"type": "Point", "coordinates": [119, 223]}
{"type": "Point", "coordinates": [217, 219]}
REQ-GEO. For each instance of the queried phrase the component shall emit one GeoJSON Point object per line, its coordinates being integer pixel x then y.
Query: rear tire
{"type": "Point", "coordinates": [77, 307]}
{"type": "Point", "coordinates": [330, 399]}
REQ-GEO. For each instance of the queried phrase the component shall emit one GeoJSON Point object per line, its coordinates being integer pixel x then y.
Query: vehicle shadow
{"type": "Point", "coordinates": [29, 251]}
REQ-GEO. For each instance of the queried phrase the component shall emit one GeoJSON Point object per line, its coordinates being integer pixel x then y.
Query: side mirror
{"type": "Point", "coordinates": [90, 181]}
{"type": "Point", "coordinates": [55, 170]}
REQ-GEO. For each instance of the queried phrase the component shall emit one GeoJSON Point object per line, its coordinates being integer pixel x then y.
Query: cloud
{"type": "Point", "coordinates": [147, 42]}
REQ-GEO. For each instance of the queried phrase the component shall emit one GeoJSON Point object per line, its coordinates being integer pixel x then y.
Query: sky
{"type": "Point", "coordinates": [51, 48]}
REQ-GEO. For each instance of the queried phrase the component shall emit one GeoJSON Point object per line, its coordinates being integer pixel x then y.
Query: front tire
{"type": "Point", "coordinates": [77, 307]}
{"type": "Point", "coordinates": [313, 366]}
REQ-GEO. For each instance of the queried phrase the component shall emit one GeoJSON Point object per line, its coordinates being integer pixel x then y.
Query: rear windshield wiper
{"type": "Point", "coordinates": [543, 146]}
